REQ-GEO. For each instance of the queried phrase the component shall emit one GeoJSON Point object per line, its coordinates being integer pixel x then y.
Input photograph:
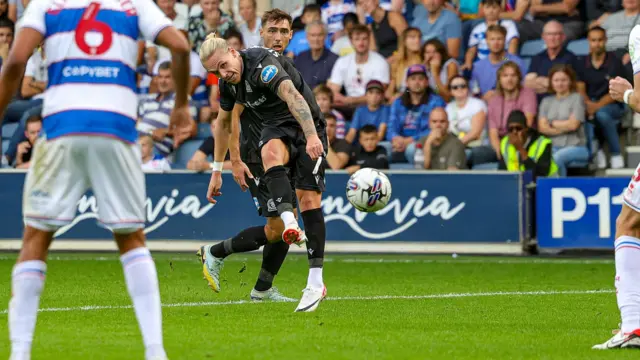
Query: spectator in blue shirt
{"type": "Point", "coordinates": [374, 113]}
{"type": "Point", "coordinates": [434, 21]}
{"type": "Point", "coordinates": [409, 118]}
{"type": "Point", "coordinates": [299, 42]}
{"type": "Point", "coordinates": [316, 64]}
{"type": "Point", "coordinates": [485, 71]}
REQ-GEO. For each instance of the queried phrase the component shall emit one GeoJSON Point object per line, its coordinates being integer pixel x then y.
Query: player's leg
{"type": "Point", "coordinates": [627, 278]}
{"type": "Point", "coordinates": [250, 239]}
{"type": "Point", "coordinates": [275, 154]}
{"type": "Point", "coordinates": [52, 188]}
{"type": "Point", "coordinates": [273, 256]}
{"type": "Point", "coordinates": [119, 186]}
{"type": "Point", "coordinates": [310, 184]}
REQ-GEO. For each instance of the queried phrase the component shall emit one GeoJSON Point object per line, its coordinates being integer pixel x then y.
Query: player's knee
{"type": "Point", "coordinates": [273, 153]}
{"type": "Point", "coordinates": [628, 223]}
{"type": "Point", "coordinates": [309, 199]}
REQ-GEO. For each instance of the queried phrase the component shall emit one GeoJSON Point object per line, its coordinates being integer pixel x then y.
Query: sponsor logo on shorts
{"type": "Point", "coordinates": [256, 202]}
{"type": "Point", "coordinates": [271, 206]}
{"type": "Point", "coordinates": [268, 73]}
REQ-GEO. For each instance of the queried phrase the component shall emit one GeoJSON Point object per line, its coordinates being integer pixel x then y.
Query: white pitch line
{"type": "Point", "coordinates": [343, 298]}
{"type": "Point", "coordinates": [357, 260]}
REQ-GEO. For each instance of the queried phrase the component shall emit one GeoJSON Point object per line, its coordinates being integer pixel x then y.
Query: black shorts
{"type": "Point", "coordinates": [302, 167]}
{"type": "Point", "coordinates": [260, 192]}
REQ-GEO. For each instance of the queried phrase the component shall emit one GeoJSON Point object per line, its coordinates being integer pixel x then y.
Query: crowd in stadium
{"type": "Point", "coordinates": [431, 84]}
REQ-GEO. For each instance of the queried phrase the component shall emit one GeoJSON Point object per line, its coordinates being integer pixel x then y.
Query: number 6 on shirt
{"type": "Point", "coordinates": [89, 23]}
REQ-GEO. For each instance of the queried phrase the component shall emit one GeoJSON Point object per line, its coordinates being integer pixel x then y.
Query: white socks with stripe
{"type": "Point", "coordinates": [627, 281]}
{"type": "Point", "coordinates": [27, 283]}
{"type": "Point", "coordinates": [142, 283]}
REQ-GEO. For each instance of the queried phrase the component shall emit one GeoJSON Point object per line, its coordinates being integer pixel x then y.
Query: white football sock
{"type": "Point", "coordinates": [628, 281]}
{"type": "Point", "coordinates": [27, 283]}
{"type": "Point", "coordinates": [288, 218]}
{"type": "Point", "coordinates": [315, 278]}
{"type": "Point", "coordinates": [142, 283]}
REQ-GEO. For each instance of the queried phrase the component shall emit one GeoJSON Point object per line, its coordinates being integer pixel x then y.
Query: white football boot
{"type": "Point", "coordinates": [311, 298]}
{"type": "Point", "coordinates": [211, 267]}
{"type": "Point", "coordinates": [270, 295]}
{"type": "Point", "coordinates": [621, 341]}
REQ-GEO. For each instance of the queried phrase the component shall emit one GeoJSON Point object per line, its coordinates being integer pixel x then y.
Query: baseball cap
{"type": "Point", "coordinates": [417, 69]}
{"type": "Point", "coordinates": [375, 84]}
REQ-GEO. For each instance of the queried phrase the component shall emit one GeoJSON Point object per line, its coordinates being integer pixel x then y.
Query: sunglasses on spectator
{"type": "Point", "coordinates": [515, 128]}
{"type": "Point", "coordinates": [459, 86]}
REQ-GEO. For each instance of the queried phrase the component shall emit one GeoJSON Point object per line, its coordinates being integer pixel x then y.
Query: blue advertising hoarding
{"type": "Point", "coordinates": [578, 213]}
{"type": "Point", "coordinates": [425, 207]}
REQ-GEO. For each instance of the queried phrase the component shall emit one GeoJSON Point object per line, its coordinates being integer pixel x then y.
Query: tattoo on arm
{"type": "Point", "coordinates": [298, 106]}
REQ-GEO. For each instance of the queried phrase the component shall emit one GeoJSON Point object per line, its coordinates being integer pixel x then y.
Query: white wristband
{"type": "Point", "coordinates": [217, 166]}
{"type": "Point", "coordinates": [626, 95]}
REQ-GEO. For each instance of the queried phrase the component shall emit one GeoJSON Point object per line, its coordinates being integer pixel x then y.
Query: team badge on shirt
{"type": "Point", "coordinates": [268, 73]}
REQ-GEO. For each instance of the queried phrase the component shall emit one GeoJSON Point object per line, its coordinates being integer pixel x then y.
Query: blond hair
{"type": "Point", "coordinates": [211, 44]}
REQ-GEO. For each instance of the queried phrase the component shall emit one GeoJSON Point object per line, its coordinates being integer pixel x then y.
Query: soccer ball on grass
{"type": "Point", "coordinates": [368, 190]}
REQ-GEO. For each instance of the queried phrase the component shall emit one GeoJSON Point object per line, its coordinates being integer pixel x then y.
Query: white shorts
{"type": "Point", "coordinates": [631, 196]}
{"type": "Point", "coordinates": [63, 169]}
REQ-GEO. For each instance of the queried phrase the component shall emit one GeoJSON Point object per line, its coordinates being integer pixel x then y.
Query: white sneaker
{"type": "Point", "coordinates": [272, 294]}
{"type": "Point", "coordinates": [311, 298]}
{"type": "Point", "coordinates": [601, 160]}
{"type": "Point", "coordinates": [292, 234]}
{"type": "Point", "coordinates": [211, 267]}
{"type": "Point", "coordinates": [617, 162]}
{"type": "Point", "coordinates": [621, 341]}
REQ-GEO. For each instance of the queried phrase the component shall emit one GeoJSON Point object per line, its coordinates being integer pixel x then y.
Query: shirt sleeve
{"type": "Point", "coordinates": [454, 28]}
{"type": "Point", "coordinates": [343, 147]}
{"type": "Point", "coordinates": [33, 16]}
{"type": "Point", "coordinates": [544, 108]}
{"type": "Point", "coordinates": [493, 112]}
{"type": "Point", "coordinates": [207, 146]}
{"type": "Point", "coordinates": [227, 101]}
{"type": "Point", "coordinates": [30, 69]}
{"type": "Point", "coordinates": [197, 70]}
{"type": "Point", "coordinates": [512, 30]}
{"type": "Point", "coordinates": [337, 76]}
{"type": "Point", "coordinates": [394, 122]}
{"type": "Point", "coordinates": [271, 74]}
{"type": "Point", "coordinates": [355, 121]}
{"type": "Point", "coordinates": [474, 38]}
{"type": "Point", "coordinates": [578, 108]}
{"type": "Point", "coordinates": [634, 48]}
{"type": "Point", "coordinates": [529, 102]}
{"type": "Point", "coordinates": [151, 20]}
{"type": "Point", "coordinates": [384, 76]}
{"type": "Point", "coordinates": [534, 67]}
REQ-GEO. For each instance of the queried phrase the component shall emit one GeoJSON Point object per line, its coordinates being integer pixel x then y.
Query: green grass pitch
{"type": "Point", "coordinates": [378, 307]}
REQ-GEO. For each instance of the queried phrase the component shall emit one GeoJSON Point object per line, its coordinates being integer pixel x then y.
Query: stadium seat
{"type": "Point", "coordinates": [184, 153]}
{"type": "Point", "coordinates": [527, 63]}
{"type": "Point", "coordinates": [5, 146]}
{"type": "Point", "coordinates": [579, 47]}
{"type": "Point", "coordinates": [8, 130]}
{"type": "Point", "coordinates": [204, 131]}
{"type": "Point", "coordinates": [532, 47]}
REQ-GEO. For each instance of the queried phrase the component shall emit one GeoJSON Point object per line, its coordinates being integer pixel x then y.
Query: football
{"type": "Point", "coordinates": [368, 190]}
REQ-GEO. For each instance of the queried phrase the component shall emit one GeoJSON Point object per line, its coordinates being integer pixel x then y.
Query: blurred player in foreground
{"type": "Point", "coordinates": [89, 114]}
{"type": "Point", "coordinates": [268, 84]}
{"type": "Point", "coordinates": [248, 173]}
{"type": "Point", "coordinates": [627, 244]}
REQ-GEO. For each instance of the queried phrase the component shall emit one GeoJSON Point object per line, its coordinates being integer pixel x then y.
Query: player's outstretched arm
{"type": "Point", "coordinates": [298, 107]}
{"type": "Point", "coordinates": [301, 112]}
{"type": "Point", "coordinates": [234, 141]}
{"type": "Point", "coordinates": [13, 68]}
{"type": "Point", "coordinates": [220, 147]}
{"type": "Point", "coordinates": [221, 135]}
